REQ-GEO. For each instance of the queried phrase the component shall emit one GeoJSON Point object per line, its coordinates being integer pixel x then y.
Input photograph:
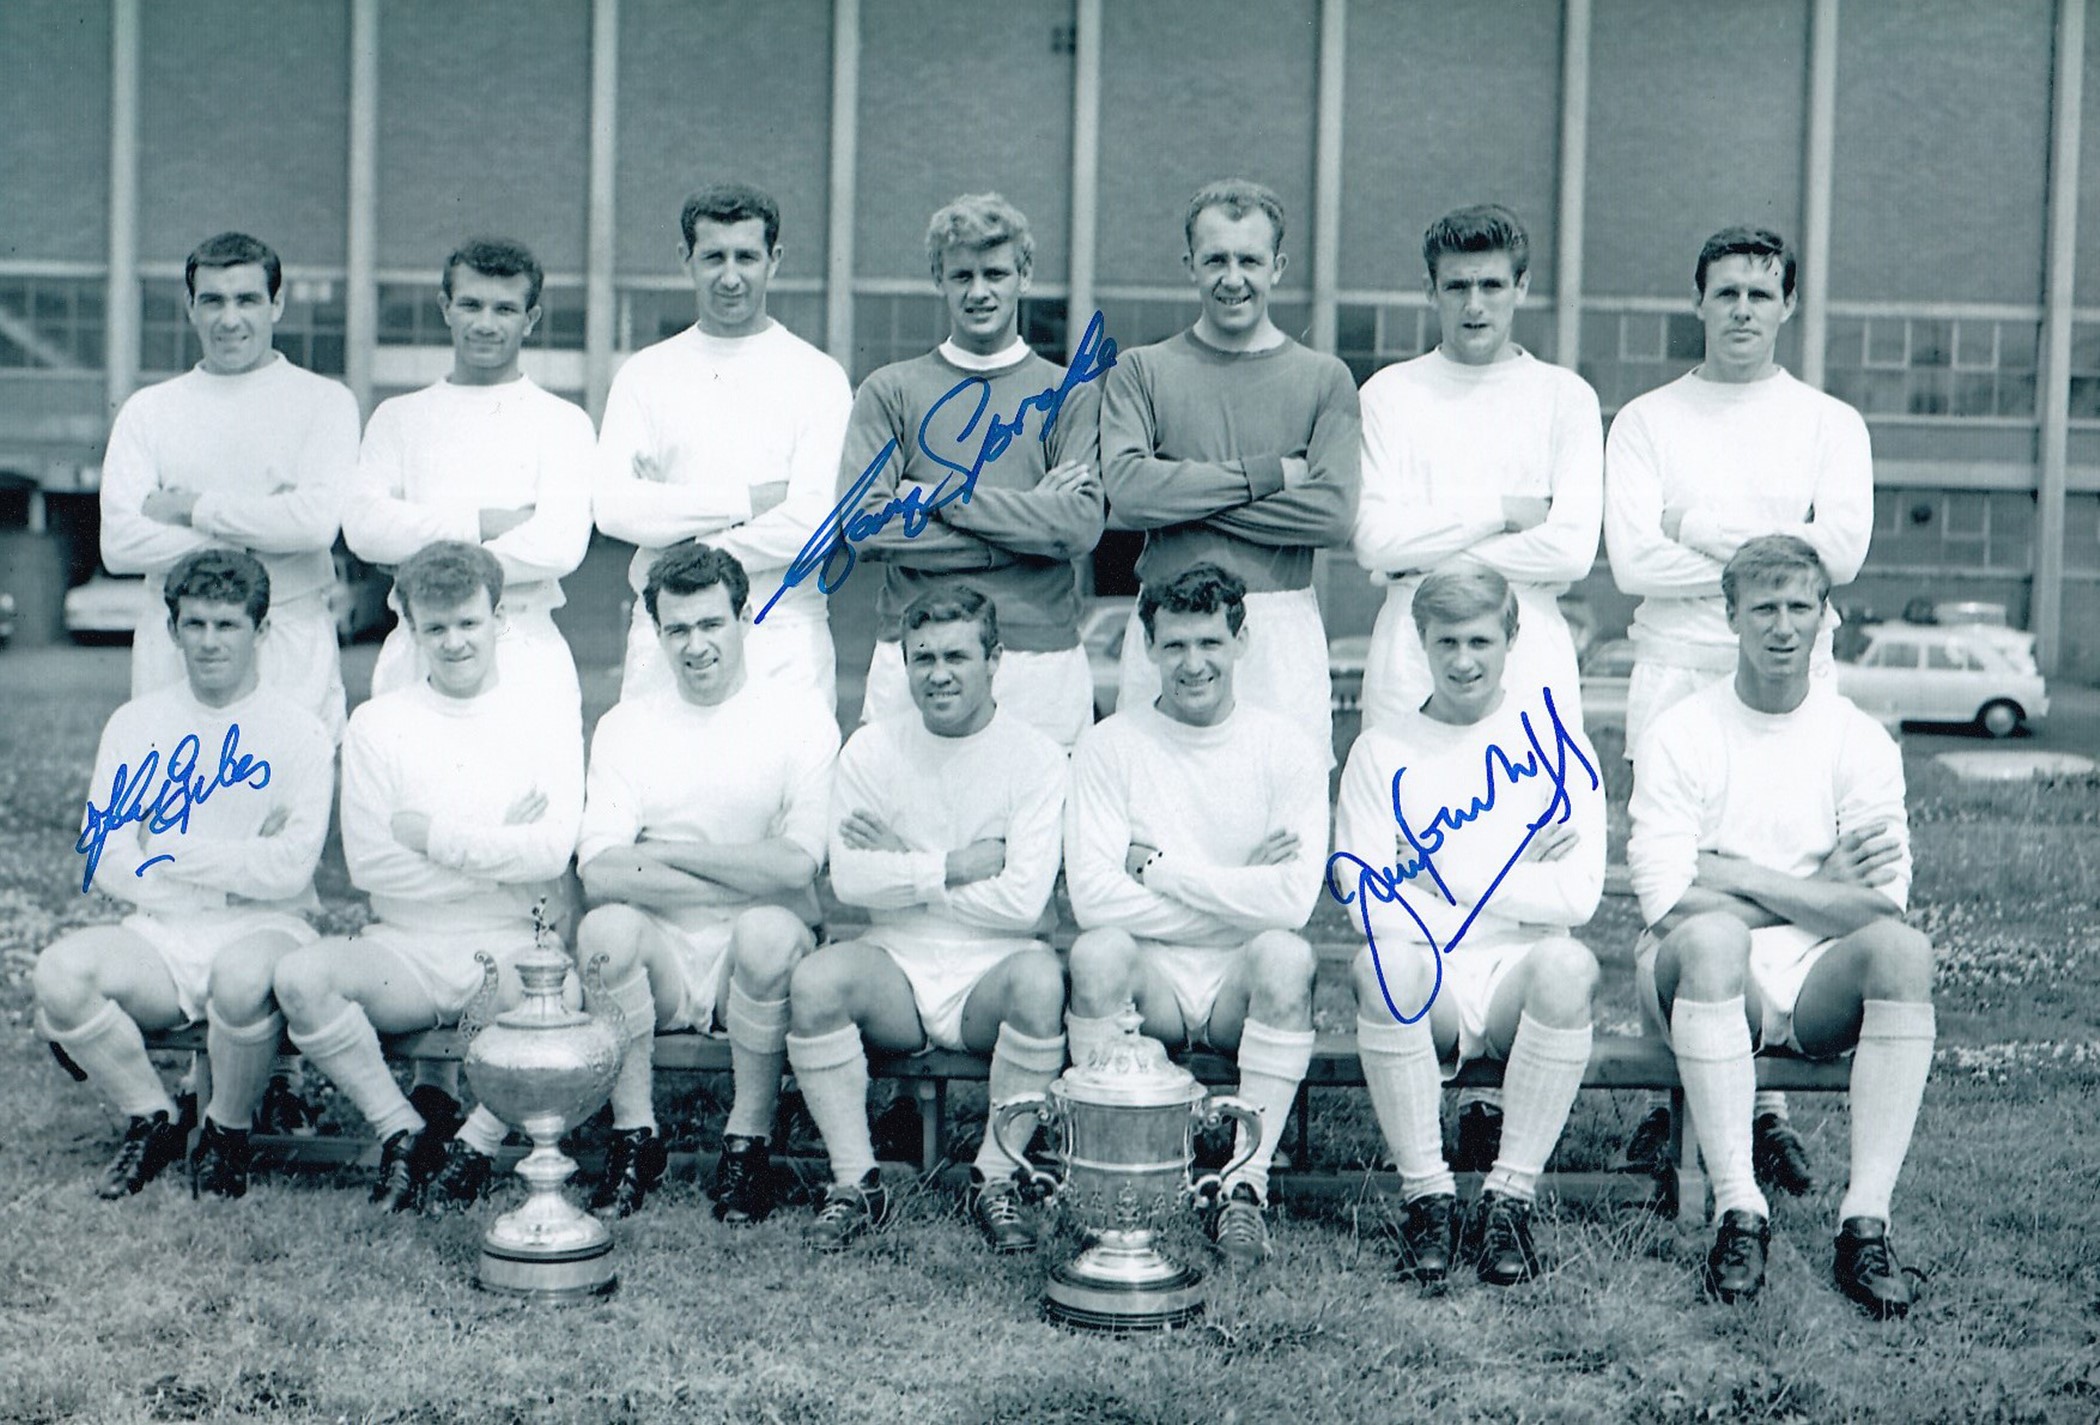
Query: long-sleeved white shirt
{"type": "Point", "coordinates": [464, 763]}
{"type": "Point", "coordinates": [1764, 457]}
{"type": "Point", "coordinates": [1470, 795]}
{"type": "Point", "coordinates": [1206, 797]}
{"type": "Point", "coordinates": [939, 794]}
{"type": "Point", "coordinates": [1777, 789]}
{"type": "Point", "coordinates": [694, 422]}
{"type": "Point", "coordinates": [203, 803]}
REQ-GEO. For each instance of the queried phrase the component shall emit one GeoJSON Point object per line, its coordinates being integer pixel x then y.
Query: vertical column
{"type": "Point", "coordinates": [845, 164]}
{"type": "Point", "coordinates": [2068, 98]}
{"type": "Point", "coordinates": [120, 313]}
{"type": "Point", "coordinates": [1816, 169]}
{"type": "Point", "coordinates": [1574, 177]}
{"type": "Point", "coordinates": [361, 281]}
{"type": "Point", "coordinates": [1327, 171]}
{"type": "Point", "coordinates": [1086, 167]}
{"type": "Point", "coordinates": [600, 300]}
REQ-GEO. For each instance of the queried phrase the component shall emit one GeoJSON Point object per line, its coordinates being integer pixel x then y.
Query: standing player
{"type": "Point", "coordinates": [1771, 854]}
{"type": "Point", "coordinates": [1233, 445]}
{"type": "Point", "coordinates": [1501, 978]}
{"type": "Point", "coordinates": [485, 457]}
{"type": "Point", "coordinates": [1734, 448]}
{"type": "Point", "coordinates": [728, 432]}
{"type": "Point", "coordinates": [1034, 507]}
{"type": "Point", "coordinates": [217, 880]}
{"type": "Point", "coordinates": [947, 823]}
{"type": "Point", "coordinates": [461, 798]}
{"type": "Point", "coordinates": [1194, 840]}
{"type": "Point", "coordinates": [248, 450]}
{"type": "Point", "coordinates": [702, 837]}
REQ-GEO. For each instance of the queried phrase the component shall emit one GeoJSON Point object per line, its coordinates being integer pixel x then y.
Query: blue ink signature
{"type": "Point", "coordinates": [829, 553]}
{"type": "Point", "coordinates": [182, 788]}
{"type": "Point", "coordinates": [1383, 883]}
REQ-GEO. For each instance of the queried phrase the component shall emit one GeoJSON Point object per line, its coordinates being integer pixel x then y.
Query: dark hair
{"type": "Point", "coordinates": [730, 203]}
{"type": "Point", "coordinates": [219, 576]}
{"type": "Point", "coordinates": [957, 603]}
{"type": "Point", "coordinates": [1238, 197]}
{"type": "Point", "coordinates": [978, 221]}
{"type": "Point", "coordinates": [496, 257]}
{"type": "Point", "coordinates": [233, 250]}
{"type": "Point", "coordinates": [445, 573]}
{"type": "Point", "coordinates": [1462, 590]}
{"type": "Point", "coordinates": [1746, 242]}
{"type": "Point", "coordinates": [1770, 559]}
{"type": "Point", "coordinates": [1200, 589]}
{"type": "Point", "coordinates": [1485, 227]}
{"type": "Point", "coordinates": [689, 568]}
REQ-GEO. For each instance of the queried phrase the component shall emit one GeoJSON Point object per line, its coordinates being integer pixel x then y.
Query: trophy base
{"type": "Point", "coordinates": [573, 1275]}
{"type": "Point", "coordinates": [1159, 1295]}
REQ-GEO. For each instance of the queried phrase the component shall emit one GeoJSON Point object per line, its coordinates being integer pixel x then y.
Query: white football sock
{"type": "Point", "coordinates": [1086, 1035]}
{"type": "Point", "coordinates": [483, 1131]}
{"type": "Point", "coordinates": [110, 1050]}
{"type": "Point", "coordinates": [348, 1052]}
{"type": "Point", "coordinates": [1712, 1042]}
{"type": "Point", "coordinates": [757, 1057]}
{"type": "Point", "coordinates": [633, 1099]}
{"type": "Point", "coordinates": [833, 1071]}
{"type": "Point", "coordinates": [243, 1056]}
{"type": "Point", "coordinates": [1407, 1090]}
{"type": "Point", "coordinates": [1272, 1064]}
{"type": "Point", "coordinates": [1539, 1082]}
{"type": "Point", "coordinates": [1021, 1065]}
{"type": "Point", "coordinates": [1770, 1101]}
{"type": "Point", "coordinates": [1888, 1083]}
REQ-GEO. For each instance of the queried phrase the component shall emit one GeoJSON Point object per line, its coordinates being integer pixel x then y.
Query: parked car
{"type": "Point", "coordinates": [1607, 669]}
{"type": "Point", "coordinates": [7, 619]}
{"type": "Point", "coordinates": [1345, 671]}
{"type": "Point", "coordinates": [1942, 673]}
{"type": "Point", "coordinates": [106, 609]}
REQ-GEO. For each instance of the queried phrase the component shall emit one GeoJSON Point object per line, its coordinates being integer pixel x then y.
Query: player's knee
{"type": "Point", "coordinates": [64, 981]}
{"type": "Point", "coordinates": [612, 932]}
{"type": "Point", "coordinates": [1899, 962]}
{"type": "Point", "coordinates": [240, 987]}
{"type": "Point", "coordinates": [1036, 987]}
{"type": "Point", "coordinates": [1712, 953]}
{"type": "Point", "coordinates": [819, 992]}
{"type": "Point", "coordinates": [1104, 963]}
{"type": "Point", "coordinates": [1399, 975]}
{"type": "Point", "coordinates": [1283, 970]}
{"type": "Point", "coordinates": [767, 941]}
{"type": "Point", "coordinates": [302, 984]}
{"type": "Point", "coordinates": [1564, 977]}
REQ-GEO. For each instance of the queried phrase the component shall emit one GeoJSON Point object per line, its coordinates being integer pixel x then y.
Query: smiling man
{"type": "Point", "coordinates": [946, 823]}
{"type": "Point", "coordinates": [1194, 839]}
{"type": "Point", "coordinates": [461, 798]}
{"type": "Point", "coordinates": [1232, 444]}
{"type": "Point", "coordinates": [728, 432]}
{"type": "Point", "coordinates": [1478, 932]}
{"type": "Point", "coordinates": [245, 449]}
{"type": "Point", "coordinates": [702, 837]}
{"type": "Point", "coordinates": [1771, 854]}
{"type": "Point", "coordinates": [1034, 508]}
{"type": "Point", "coordinates": [216, 880]}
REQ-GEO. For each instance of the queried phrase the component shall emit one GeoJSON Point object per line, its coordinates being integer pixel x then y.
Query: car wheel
{"type": "Point", "coordinates": [1999, 719]}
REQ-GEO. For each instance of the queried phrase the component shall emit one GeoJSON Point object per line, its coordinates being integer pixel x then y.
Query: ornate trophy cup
{"type": "Point", "coordinates": [544, 1068]}
{"type": "Point", "coordinates": [1126, 1121]}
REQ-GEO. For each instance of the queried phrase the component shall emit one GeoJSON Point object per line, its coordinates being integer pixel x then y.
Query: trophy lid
{"type": "Point", "coordinates": [1130, 1070]}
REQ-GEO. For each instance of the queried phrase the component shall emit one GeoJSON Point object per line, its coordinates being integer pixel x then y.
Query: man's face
{"type": "Point", "coordinates": [234, 315]}
{"type": "Point", "coordinates": [217, 639]}
{"type": "Point", "coordinates": [1195, 654]}
{"type": "Point", "coordinates": [983, 288]}
{"type": "Point", "coordinates": [730, 267]}
{"type": "Point", "coordinates": [1234, 264]}
{"type": "Point", "coordinates": [489, 318]}
{"type": "Point", "coordinates": [951, 676]}
{"type": "Point", "coordinates": [703, 642]}
{"type": "Point", "coordinates": [1476, 296]}
{"type": "Point", "coordinates": [458, 642]}
{"type": "Point", "coordinates": [1775, 623]}
{"type": "Point", "coordinates": [1465, 666]}
{"type": "Point", "coordinates": [1743, 308]}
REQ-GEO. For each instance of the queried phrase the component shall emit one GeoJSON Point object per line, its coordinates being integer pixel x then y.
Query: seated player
{"type": "Point", "coordinates": [1195, 832]}
{"type": "Point", "coordinates": [1771, 854]}
{"type": "Point", "coordinates": [217, 794]}
{"type": "Point", "coordinates": [947, 823]}
{"type": "Point", "coordinates": [702, 836]}
{"type": "Point", "coordinates": [461, 797]}
{"type": "Point", "coordinates": [1469, 916]}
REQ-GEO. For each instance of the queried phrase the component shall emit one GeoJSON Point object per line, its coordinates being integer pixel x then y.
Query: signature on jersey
{"type": "Point", "coordinates": [158, 809]}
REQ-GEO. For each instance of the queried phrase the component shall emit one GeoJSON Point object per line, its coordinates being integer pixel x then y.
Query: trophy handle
{"type": "Point", "coordinates": [1038, 1108]}
{"type": "Point", "coordinates": [475, 1017]}
{"type": "Point", "coordinates": [1209, 1113]}
{"type": "Point", "coordinates": [594, 994]}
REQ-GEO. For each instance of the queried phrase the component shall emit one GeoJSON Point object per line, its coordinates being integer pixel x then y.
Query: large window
{"type": "Point", "coordinates": [51, 323]}
{"type": "Point", "coordinates": [1947, 367]}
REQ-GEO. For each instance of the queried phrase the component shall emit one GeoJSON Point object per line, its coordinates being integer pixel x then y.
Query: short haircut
{"type": "Point", "coordinates": [1238, 197]}
{"type": "Point", "coordinates": [1771, 559]}
{"type": "Point", "coordinates": [219, 576]}
{"type": "Point", "coordinates": [446, 573]}
{"type": "Point", "coordinates": [496, 257]}
{"type": "Point", "coordinates": [1200, 589]}
{"type": "Point", "coordinates": [1465, 590]}
{"type": "Point", "coordinates": [689, 568]}
{"type": "Point", "coordinates": [1747, 242]}
{"type": "Point", "coordinates": [1482, 228]}
{"type": "Point", "coordinates": [957, 603]}
{"type": "Point", "coordinates": [233, 250]}
{"type": "Point", "coordinates": [730, 203]}
{"type": "Point", "coordinates": [978, 221]}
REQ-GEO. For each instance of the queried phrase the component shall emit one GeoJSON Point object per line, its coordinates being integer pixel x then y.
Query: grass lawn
{"type": "Point", "coordinates": [300, 1304]}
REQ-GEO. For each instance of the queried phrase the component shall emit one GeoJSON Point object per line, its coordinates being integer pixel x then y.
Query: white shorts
{"type": "Point", "coordinates": [1053, 692]}
{"type": "Point", "coordinates": [296, 659]}
{"type": "Point", "coordinates": [790, 650]}
{"type": "Point", "coordinates": [1284, 670]}
{"type": "Point", "coordinates": [188, 943]}
{"type": "Point", "coordinates": [531, 653]}
{"type": "Point", "coordinates": [1197, 975]}
{"type": "Point", "coordinates": [703, 957]}
{"type": "Point", "coordinates": [943, 973]}
{"type": "Point", "coordinates": [442, 963]}
{"type": "Point", "coordinates": [1472, 975]}
{"type": "Point", "coordinates": [1396, 670]}
{"type": "Point", "coordinates": [1781, 957]}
